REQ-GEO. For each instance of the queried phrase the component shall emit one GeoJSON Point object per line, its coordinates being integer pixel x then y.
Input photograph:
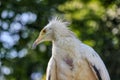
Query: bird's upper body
{"type": "Point", "coordinates": [71, 59]}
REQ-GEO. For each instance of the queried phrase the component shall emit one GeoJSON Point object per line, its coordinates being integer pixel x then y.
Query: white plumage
{"type": "Point", "coordinates": [71, 59]}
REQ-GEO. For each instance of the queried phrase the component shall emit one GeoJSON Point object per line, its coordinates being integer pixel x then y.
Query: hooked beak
{"type": "Point", "coordinates": [37, 41]}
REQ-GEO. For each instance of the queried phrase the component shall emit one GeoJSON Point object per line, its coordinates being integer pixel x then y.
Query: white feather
{"type": "Point", "coordinates": [96, 61]}
{"type": "Point", "coordinates": [67, 46]}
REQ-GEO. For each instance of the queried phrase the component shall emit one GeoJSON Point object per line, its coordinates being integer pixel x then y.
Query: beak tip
{"type": "Point", "coordinates": [34, 45]}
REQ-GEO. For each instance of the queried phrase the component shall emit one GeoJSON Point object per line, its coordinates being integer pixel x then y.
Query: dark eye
{"type": "Point", "coordinates": [44, 31]}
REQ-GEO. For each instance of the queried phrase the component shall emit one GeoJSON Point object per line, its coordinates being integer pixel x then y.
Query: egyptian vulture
{"type": "Point", "coordinates": [71, 59]}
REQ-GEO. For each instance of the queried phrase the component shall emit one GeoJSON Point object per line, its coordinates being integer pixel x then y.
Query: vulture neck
{"type": "Point", "coordinates": [64, 45]}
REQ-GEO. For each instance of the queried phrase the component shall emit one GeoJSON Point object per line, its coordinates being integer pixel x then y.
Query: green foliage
{"type": "Point", "coordinates": [95, 22]}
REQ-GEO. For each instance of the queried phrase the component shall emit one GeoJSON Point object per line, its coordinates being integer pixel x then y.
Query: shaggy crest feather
{"type": "Point", "coordinates": [59, 26]}
{"type": "Point", "coordinates": [59, 20]}
{"type": "Point", "coordinates": [56, 18]}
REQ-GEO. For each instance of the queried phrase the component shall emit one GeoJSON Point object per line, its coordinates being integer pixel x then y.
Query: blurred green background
{"type": "Point", "coordinates": [95, 22]}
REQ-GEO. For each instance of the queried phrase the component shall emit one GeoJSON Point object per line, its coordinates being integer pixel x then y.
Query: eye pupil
{"type": "Point", "coordinates": [44, 31]}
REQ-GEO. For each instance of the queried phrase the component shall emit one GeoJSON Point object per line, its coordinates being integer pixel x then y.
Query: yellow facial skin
{"type": "Point", "coordinates": [39, 39]}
